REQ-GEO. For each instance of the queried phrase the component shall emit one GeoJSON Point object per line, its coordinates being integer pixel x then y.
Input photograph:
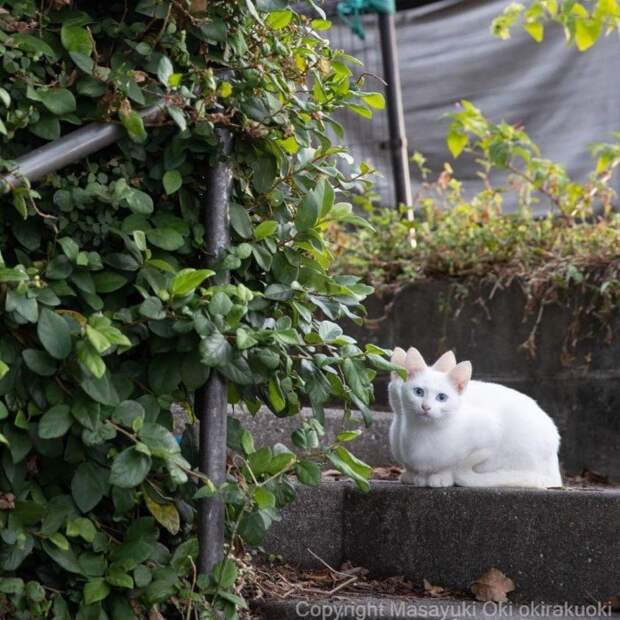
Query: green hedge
{"type": "Point", "coordinates": [108, 318]}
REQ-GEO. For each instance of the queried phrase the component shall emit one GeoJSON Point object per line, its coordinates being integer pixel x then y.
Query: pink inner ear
{"type": "Point", "coordinates": [414, 370]}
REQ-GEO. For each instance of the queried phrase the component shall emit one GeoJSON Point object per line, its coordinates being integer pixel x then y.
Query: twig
{"type": "Point", "coordinates": [344, 584]}
{"type": "Point", "coordinates": [324, 563]}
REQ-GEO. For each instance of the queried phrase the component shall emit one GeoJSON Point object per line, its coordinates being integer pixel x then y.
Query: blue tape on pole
{"type": "Point", "coordinates": [350, 12]}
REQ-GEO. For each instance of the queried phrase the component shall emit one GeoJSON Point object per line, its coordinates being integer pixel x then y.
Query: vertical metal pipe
{"type": "Point", "coordinates": [212, 399]}
{"type": "Point", "coordinates": [396, 116]}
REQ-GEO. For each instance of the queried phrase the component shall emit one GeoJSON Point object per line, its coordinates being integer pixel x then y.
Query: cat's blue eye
{"type": "Point", "coordinates": [418, 392]}
{"type": "Point", "coordinates": [441, 397]}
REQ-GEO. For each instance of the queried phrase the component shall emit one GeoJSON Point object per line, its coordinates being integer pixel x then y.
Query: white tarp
{"type": "Point", "coordinates": [565, 99]}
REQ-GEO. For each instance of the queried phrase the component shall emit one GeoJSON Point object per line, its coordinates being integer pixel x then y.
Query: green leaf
{"type": "Point", "coordinates": [95, 591]}
{"type": "Point", "coordinates": [165, 238]}
{"type": "Point", "coordinates": [165, 70]}
{"type": "Point", "coordinates": [54, 334]}
{"type": "Point", "coordinates": [60, 541]}
{"type": "Point", "coordinates": [139, 202]}
{"type": "Point", "coordinates": [160, 441]}
{"type": "Point", "coordinates": [39, 362]}
{"type": "Point", "coordinates": [307, 213]}
{"type": "Point", "coordinates": [173, 181]}
{"type": "Point", "coordinates": [278, 292]}
{"type": "Point", "coordinates": [76, 39]}
{"type": "Point", "coordinates": [134, 125]}
{"type": "Point", "coordinates": [188, 280]}
{"type": "Point", "coordinates": [276, 397]}
{"type": "Point", "coordinates": [152, 308]}
{"type": "Point", "coordinates": [100, 343]}
{"type": "Point", "coordinates": [30, 43]}
{"type": "Point", "coordinates": [240, 221]}
{"type": "Point", "coordinates": [374, 100]}
{"type": "Point", "coordinates": [457, 141]}
{"type": "Point", "coordinates": [225, 574]}
{"type": "Point", "coordinates": [220, 304]}
{"type": "Point", "coordinates": [360, 110]}
{"type": "Point", "coordinates": [58, 101]}
{"type": "Point", "coordinates": [308, 473]}
{"type": "Point", "coordinates": [128, 412]}
{"type": "Point", "coordinates": [215, 350]}
{"type": "Point", "coordinates": [348, 435]}
{"type": "Point", "coordinates": [82, 527]}
{"type": "Point", "coordinates": [329, 331]}
{"type": "Point", "coordinates": [47, 128]}
{"type": "Point", "coordinates": [100, 389]}
{"type": "Point", "coordinates": [88, 486]}
{"type": "Point", "coordinates": [109, 281]}
{"type": "Point", "coordinates": [277, 20]}
{"type": "Point", "coordinates": [64, 558]}
{"type": "Point", "coordinates": [4, 369]}
{"type": "Point", "coordinates": [129, 468]}
{"type": "Point", "coordinates": [90, 358]}
{"type": "Point", "coordinates": [55, 422]}
{"type": "Point", "coordinates": [265, 229]}
{"type": "Point", "coordinates": [264, 498]}
{"type": "Point", "coordinates": [117, 578]}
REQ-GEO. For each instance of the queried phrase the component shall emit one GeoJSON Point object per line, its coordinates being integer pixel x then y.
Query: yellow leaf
{"type": "Point", "coordinates": [535, 30]}
{"type": "Point", "coordinates": [586, 34]}
{"type": "Point", "coordinates": [166, 514]}
{"type": "Point", "coordinates": [457, 141]}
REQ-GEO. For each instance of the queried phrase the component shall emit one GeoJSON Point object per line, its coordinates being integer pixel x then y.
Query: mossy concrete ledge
{"type": "Point", "coordinates": [556, 545]}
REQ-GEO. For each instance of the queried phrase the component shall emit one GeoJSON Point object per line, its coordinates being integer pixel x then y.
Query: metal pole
{"type": "Point", "coordinates": [396, 116]}
{"type": "Point", "coordinates": [67, 150]}
{"type": "Point", "coordinates": [212, 399]}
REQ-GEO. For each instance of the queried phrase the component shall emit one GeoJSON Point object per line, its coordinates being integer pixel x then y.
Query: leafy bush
{"type": "Point", "coordinates": [109, 314]}
{"type": "Point", "coordinates": [570, 256]}
{"type": "Point", "coordinates": [583, 23]}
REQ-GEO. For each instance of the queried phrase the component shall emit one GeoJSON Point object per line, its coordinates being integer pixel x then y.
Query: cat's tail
{"type": "Point", "coordinates": [529, 479]}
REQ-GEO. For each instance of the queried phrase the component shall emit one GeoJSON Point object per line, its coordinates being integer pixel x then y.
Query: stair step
{"type": "Point", "coordinates": [556, 545]}
{"type": "Point", "coordinates": [586, 444]}
{"type": "Point", "coordinates": [397, 608]}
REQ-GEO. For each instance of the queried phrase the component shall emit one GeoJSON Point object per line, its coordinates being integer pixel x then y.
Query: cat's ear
{"type": "Point", "coordinates": [445, 363]}
{"type": "Point", "coordinates": [399, 358]}
{"type": "Point", "coordinates": [414, 362]}
{"type": "Point", "coordinates": [460, 376]}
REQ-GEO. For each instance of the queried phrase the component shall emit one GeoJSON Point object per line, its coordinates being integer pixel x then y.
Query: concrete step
{"type": "Point", "coordinates": [556, 545]}
{"type": "Point", "coordinates": [585, 444]}
{"type": "Point", "coordinates": [397, 608]}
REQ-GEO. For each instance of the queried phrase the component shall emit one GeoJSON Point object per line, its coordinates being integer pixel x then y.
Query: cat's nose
{"type": "Point", "coordinates": [426, 408]}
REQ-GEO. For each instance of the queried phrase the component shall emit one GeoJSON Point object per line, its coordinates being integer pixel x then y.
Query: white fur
{"type": "Point", "coordinates": [482, 434]}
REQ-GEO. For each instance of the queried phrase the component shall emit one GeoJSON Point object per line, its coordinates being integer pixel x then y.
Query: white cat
{"type": "Point", "coordinates": [450, 430]}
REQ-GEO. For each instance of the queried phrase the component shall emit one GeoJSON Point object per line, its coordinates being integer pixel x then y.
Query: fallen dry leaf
{"type": "Point", "coordinates": [614, 603]}
{"type": "Point", "coordinates": [155, 614]}
{"type": "Point", "coordinates": [387, 473]}
{"type": "Point", "coordinates": [7, 501]}
{"type": "Point", "coordinates": [493, 586]}
{"type": "Point", "coordinates": [432, 590]}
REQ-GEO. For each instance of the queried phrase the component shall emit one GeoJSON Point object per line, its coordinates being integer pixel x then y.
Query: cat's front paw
{"type": "Point", "coordinates": [441, 479]}
{"type": "Point", "coordinates": [414, 478]}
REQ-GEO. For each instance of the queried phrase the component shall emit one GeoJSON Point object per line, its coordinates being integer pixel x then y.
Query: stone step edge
{"type": "Point", "coordinates": [333, 521]}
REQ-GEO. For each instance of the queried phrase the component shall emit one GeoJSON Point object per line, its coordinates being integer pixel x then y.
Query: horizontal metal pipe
{"type": "Point", "coordinates": [67, 150]}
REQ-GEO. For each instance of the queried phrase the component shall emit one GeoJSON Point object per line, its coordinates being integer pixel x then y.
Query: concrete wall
{"type": "Point", "coordinates": [583, 398]}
